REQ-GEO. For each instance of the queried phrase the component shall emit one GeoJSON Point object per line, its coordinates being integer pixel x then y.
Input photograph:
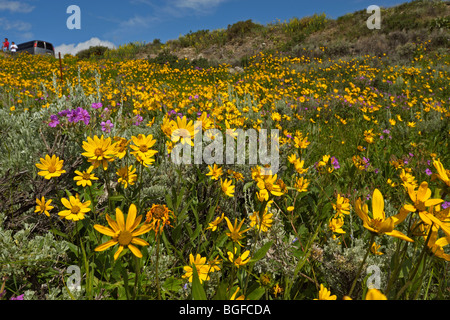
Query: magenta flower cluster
{"type": "Point", "coordinates": [72, 116]}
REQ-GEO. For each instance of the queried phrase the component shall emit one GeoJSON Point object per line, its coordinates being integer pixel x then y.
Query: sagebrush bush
{"type": "Point", "coordinates": [95, 52]}
{"type": "Point", "coordinates": [241, 28]}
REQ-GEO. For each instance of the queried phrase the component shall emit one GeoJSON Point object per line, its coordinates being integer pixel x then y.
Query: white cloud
{"type": "Point", "coordinates": [173, 8]}
{"type": "Point", "coordinates": [138, 22]}
{"type": "Point", "coordinates": [198, 5]}
{"type": "Point", "coordinates": [75, 48]}
{"type": "Point", "coordinates": [15, 6]}
{"type": "Point", "coordinates": [14, 25]}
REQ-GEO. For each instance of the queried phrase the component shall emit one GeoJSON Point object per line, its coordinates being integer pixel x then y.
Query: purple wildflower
{"type": "Point", "coordinates": [366, 162]}
{"type": "Point", "coordinates": [107, 126]}
{"type": "Point", "coordinates": [53, 121]}
{"type": "Point", "coordinates": [63, 113]}
{"type": "Point", "coordinates": [445, 205]}
{"type": "Point", "coordinates": [78, 114]}
{"type": "Point", "coordinates": [83, 115]}
{"type": "Point", "coordinates": [97, 105]}
{"type": "Point", "coordinates": [139, 120]}
{"type": "Point", "coordinates": [428, 172]}
{"type": "Point", "coordinates": [335, 163]}
{"type": "Point", "coordinates": [18, 297]}
{"type": "Point", "coordinates": [72, 116]}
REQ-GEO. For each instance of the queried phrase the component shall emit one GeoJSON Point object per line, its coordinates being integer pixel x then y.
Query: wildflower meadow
{"type": "Point", "coordinates": [94, 205]}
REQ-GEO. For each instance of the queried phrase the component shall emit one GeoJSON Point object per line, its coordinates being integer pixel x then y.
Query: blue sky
{"type": "Point", "coordinates": [117, 22]}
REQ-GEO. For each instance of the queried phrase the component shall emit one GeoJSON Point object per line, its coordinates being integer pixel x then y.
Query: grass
{"type": "Point", "coordinates": [351, 127]}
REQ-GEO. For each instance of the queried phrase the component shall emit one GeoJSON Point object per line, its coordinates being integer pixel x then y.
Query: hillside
{"type": "Point", "coordinates": [402, 28]}
{"type": "Point", "coordinates": [354, 192]}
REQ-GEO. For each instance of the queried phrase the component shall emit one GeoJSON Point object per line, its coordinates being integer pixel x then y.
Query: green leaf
{"type": "Point", "coordinates": [211, 211]}
{"type": "Point", "coordinates": [221, 240]}
{"type": "Point", "coordinates": [180, 197]}
{"type": "Point", "coordinates": [326, 211]}
{"type": "Point", "coordinates": [166, 242]}
{"type": "Point", "coordinates": [169, 202]}
{"type": "Point", "coordinates": [196, 234]}
{"type": "Point", "coordinates": [117, 198]}
{"type": "Point", "coordinates": [198, 292]}
{"type": "Point", "coordinates": [173, 284]}
{"type": "Point", "coordinates": [256, 294]}
{"type": "Point", "coordinates": [221, 293]}
{"type": "Point", "coordinates": [176, 233]}
{"type": "Point", "coordinates": [302, 262]}
{"type": "Point", "coordinates": [247, 185]}
{"type": "Point", "coordinates": [59, 233]}
{"type": "Point", "coordinates": [74, 248]}
{"type": "Point", "coordinates": [68, 193]}
{"type": "Point", "coordinates": [261, 252]}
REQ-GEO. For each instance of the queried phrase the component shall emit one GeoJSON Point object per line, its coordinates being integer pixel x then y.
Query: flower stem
{"type": "Point", "coordinates": [86, 266]}
{"type": "Point", "coordinates": [260, 214]}
{"type": "Point", "coordinates": [399, 258]}
{"type": "Point", "coordinates": [137, 283]}
{"type": "Point", "coordinates": [108, 190]}
{"type": "Point", "coordinates": [125, 281]}
{"type": "Point", "coordinates": [158, 286]}
{"type": "Point", "coordinates": [416, 268]}
{"type": "Point", "coordinates": [372, 236]}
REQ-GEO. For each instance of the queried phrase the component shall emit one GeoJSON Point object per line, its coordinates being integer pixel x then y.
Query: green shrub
{"type": "Point", "coordinates": [97, 51]}
{"type": "Point", "coordinates": [126, 51]}
{"type": "Point", "coordinates": [173, 61]}
{"type": "Point", "coordinates": [401, 21]}
{"type": "Point", "coordinates": [406, 50]}
{"type": "Point", "coordinates": [164, 58]}
{"type": "Point", "coordinates": [439, 23]}
{"type": "Point", "coordinates": [299, 29]}
{"type": "Point", "coordinates": [241, 29]}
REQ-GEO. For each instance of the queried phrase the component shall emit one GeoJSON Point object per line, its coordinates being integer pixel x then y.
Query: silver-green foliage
{"type": "Point", "coordinates": [23, 253]}
{"type": "Point", "coordinates": [280, 259]}
{"type": "Point", "coordinates": [20, 139]}
{"type": "Point", "coordinates": [23, 135]}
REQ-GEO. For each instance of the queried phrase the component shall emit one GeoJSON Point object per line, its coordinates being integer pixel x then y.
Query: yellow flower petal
{"type": "Point", "coordinates": [116, 255]}
{"type": "Point", "coordinates": [135, 251]}
{"type": "Point", "coordinates": [105, 230]}
{"type": "Point", "coordinates": [120, 219]}
{"type": "Point", "coordinates": [106, 245]}
{"type": "Point", "coordinates": [130, 217]}
{"type": "Point", "coordinates": [378, 205]}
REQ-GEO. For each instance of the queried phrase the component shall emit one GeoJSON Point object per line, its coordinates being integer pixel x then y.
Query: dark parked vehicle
{"type": "Point", "coordinates": [37, 47]}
